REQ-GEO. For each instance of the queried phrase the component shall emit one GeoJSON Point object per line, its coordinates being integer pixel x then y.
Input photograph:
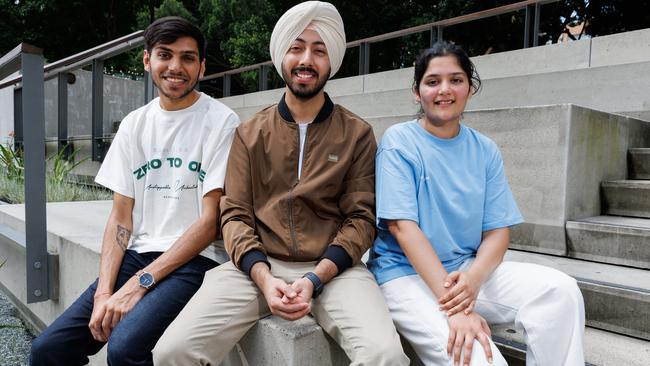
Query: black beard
{"type": "Point", "coordinates": [186, 93]}
{"type": "Point", "coordinates": [304, 94]}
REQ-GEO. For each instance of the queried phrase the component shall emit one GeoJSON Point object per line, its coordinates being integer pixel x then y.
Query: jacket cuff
{"type": "Point", "coordinates": [339, 256]}
{"type": "Point", "coordinates": [250, 258]}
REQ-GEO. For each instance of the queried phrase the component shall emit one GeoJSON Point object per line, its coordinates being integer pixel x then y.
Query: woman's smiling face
{"type": "Point", "coordinates": [443, 91]}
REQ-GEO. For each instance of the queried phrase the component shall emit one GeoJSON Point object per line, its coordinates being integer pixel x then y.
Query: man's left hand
{"type": "Point", "coordinates": [122, 301]}
{"type": "Point", "coordinates": [304, 289]}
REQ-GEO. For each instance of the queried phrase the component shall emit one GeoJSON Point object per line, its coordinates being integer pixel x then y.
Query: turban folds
{"type": "Point", "coordinates": [320, 16]}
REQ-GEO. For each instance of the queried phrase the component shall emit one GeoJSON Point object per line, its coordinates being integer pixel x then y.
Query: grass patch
{"type": "Point", "coordinates": [58, 186]}
{"type": "Point", "coordinates": [13, 191]}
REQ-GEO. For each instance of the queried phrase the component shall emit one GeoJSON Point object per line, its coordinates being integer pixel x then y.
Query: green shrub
{"type": "Point", "coordinates": [58, 188]}
{"type": "Point", "coordinates": [61, 167]}
{"type": "Point", "coordinates": [12, 162]}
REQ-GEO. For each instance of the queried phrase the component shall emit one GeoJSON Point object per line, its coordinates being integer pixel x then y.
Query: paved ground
{"type": "Point", "coordinates": [15, 340]}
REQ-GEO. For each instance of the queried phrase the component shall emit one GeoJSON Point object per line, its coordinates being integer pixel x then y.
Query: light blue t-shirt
{"type": "Point", "coordinates": [454, 189]}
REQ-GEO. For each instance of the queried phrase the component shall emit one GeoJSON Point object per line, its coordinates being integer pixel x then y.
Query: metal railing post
{"type": "Point", "coordinates": [62, 120]}
{"type": "Point", "coordinates": [18, 118]}
{"type": "Point", "coordinates": [538, 10]}
{"type": "Point", "coordinates": [364, 58]}
{"type": "Point", "coordinates": [226, 85]}
{"type": "Point", "coordinates": [42, 276]}
{"type": "Point", "coordinates": [98, 145]}
{"type": "Point", "coordinates": [264, 77]}
{"type": "Point", "coordinates": [433, 36]}
{"type": "Point", "coordinates": [527, 26]}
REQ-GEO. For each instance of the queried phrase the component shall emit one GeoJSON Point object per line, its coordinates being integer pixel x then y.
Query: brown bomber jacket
{"type": "Point", "coordinates": [267, 210]}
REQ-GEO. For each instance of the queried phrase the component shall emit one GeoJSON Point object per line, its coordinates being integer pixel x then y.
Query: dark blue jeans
{"type": "Point", "coordinates": [68, 341]}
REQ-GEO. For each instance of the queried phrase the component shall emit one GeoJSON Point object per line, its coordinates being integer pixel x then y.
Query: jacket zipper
{"type": "Point", "coordinates": [292, 227]}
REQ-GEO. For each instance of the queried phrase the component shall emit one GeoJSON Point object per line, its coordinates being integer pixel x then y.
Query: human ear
{"type": "Point", "coordinates": [416, 94]}
{"type": "Point", "coordinates": [146, 60]}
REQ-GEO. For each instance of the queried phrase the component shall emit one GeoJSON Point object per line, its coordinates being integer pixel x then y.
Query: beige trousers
{"type": "Point", "coordinates": [351, 309]}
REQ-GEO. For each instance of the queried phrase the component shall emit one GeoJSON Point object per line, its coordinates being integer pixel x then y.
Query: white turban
{"type": "Point", "coordinates": [323, 18]}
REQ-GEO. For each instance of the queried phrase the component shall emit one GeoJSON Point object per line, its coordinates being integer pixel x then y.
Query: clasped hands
{"type": "Point", "coordinates": [288, 301]}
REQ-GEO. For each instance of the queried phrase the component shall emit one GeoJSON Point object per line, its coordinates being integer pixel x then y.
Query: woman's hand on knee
{"type": "Point", "coordinates": [461, 294]}
{"type": "Point", "coordinates": [463, 330]}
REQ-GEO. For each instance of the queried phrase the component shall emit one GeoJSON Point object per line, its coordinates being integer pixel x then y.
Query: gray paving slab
{"type": "Point", "coordinates": [15, 340]}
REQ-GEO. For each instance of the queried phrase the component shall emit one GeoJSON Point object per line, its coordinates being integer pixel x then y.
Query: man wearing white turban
{"type": "Point", "coordinates": [297, 215]}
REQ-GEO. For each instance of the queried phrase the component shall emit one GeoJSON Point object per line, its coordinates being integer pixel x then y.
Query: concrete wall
{"type": "Point", "coordinates": [75, 237]}
{"type": "Point", "coordinates": [606, 73]}
{"type": "Point", "coordinates": [121, 96]}
{"type": "Point", "coordinates": [555, 158]}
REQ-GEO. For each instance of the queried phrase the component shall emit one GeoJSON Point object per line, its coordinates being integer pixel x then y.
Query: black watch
{"type": "Point", "coordinates": [318, 285]}
{"type": "Point", "coordinates": [145, 279]}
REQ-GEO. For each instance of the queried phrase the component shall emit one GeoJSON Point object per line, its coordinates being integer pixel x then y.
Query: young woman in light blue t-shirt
{"type": "Point", "coordinates": [444, 209]}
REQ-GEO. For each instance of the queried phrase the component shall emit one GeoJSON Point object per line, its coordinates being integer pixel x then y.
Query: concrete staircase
{"type": "Point", "coordinates": [609, 255]}
{"type": "Point", "coordinates": [555, 156]}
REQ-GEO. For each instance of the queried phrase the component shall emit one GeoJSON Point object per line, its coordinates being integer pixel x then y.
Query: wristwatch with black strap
{"type": "Point", "coordinates": [318, 285]}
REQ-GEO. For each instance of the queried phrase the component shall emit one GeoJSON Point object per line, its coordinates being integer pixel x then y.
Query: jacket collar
{"type": "Point", "coordinates": [323, 114]}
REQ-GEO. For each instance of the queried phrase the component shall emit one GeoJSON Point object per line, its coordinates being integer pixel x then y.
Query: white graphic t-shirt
{"type": "Point", "coordinates": [166, 161]}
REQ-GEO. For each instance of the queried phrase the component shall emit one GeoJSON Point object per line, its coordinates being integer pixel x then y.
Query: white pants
{"type": "Point", "coordinates": [545, 302]}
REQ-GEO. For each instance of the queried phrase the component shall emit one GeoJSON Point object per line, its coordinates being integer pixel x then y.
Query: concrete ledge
{"type": "Point", "coordinates": [627, 47]}
{"type": "Point", "coordinates": [627, 198]}
{"type": "Point", "coordinates": [610, 239]}
{"type": "Point", "coordinates": [275, 341]}
{"type": "Point", "coordinates": [615, 297]}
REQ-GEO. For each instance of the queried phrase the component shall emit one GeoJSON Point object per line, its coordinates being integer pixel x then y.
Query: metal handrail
{"type": "Point", "coordinates": [135, 39]}
{"type": "Point", "coordinates": [404, 32]}
{"type": "Point", "coordinates": [10, 62]}
{"type": "Point", "coordinates": [83, 58]}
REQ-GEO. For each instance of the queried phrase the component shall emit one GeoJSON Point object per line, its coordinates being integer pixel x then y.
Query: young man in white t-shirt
{"type": "Point", "coordinates": [166, 167]}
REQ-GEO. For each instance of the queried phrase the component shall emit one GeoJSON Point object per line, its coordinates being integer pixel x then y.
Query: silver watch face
{"type": "Point", "coordinates": [146, 279]}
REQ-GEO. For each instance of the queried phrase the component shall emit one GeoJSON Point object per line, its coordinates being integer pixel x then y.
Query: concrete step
{"type": "Point", "coordinates": [617, 299]}
{"type": "Point", "coordinates": [261, 344]}
{"type": "Point", "coordinates": [610, 239]}
{"type": "Point", "coordinates": [602, 348]}
{"type": "Point", "coordinates": [639, 163]}
{"type": "Point", "coordinates": [627, 197]}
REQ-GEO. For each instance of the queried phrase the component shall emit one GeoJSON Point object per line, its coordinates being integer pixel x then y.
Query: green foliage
{"type": "Point", "coordinates": [238, 30]}
{"type": "Point", "coordinates": [13, 191]}
{"type": "Point", "coordinates": [58, 188]}
{"type": "Point", "coordinates": [174, 7]}
{"type": "Point", "coordinates": [61, 167]}
{"type": "Point", "coordinates": [12, 163]}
